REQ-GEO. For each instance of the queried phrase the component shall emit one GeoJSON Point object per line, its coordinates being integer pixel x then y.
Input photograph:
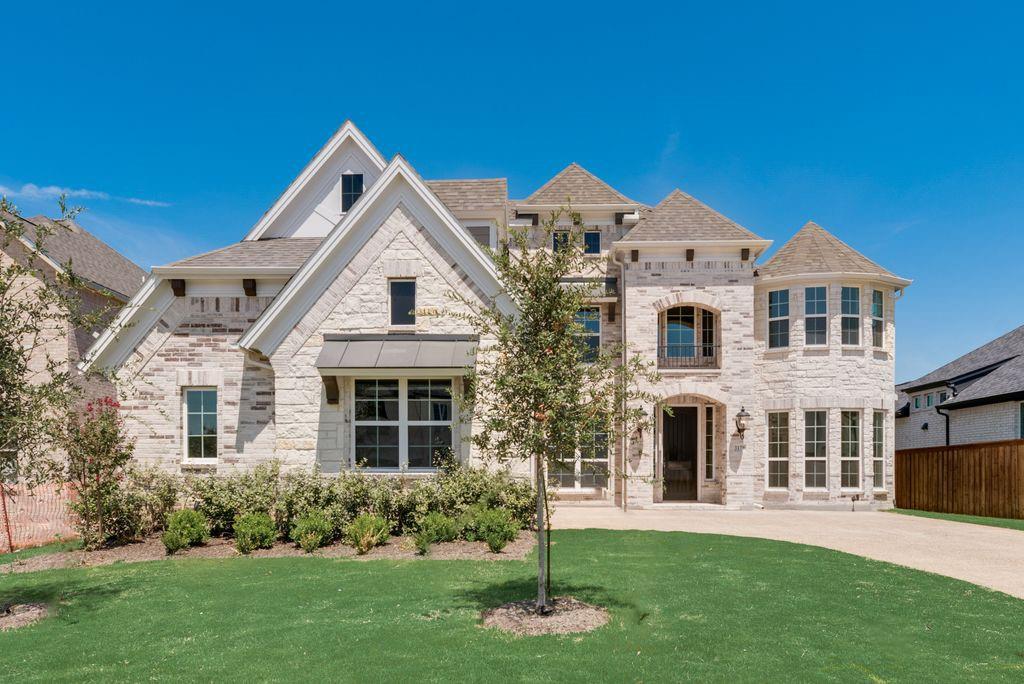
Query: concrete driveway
{"type": "Point", "coordinates": [990, 556]}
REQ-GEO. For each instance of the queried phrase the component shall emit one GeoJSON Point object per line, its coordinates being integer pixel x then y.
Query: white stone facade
{"type": "Point", "coordinates": [261, 353]}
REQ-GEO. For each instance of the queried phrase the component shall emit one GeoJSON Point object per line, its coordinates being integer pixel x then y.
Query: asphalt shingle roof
{"type": "Point", "coordinates": [276, 253]}
{"type": "Point", "coordinates": [997, 351]}
{"type": "Point", "coordinates": [582, 187]}
{"type": "Point", "coordinates": [682, 217]}
{"type": "Point", "coordinates": [470, 194]}
{"type": "Point", "coordinates": [90, 258]}
{"type": "Point", "coordinates": [815, 250]}
{"type": "Point", "coordinates": [1007, 379]}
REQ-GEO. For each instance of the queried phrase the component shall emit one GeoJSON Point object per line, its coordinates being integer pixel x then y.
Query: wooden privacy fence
{"type": "Point", "coordinates": [975, 479]}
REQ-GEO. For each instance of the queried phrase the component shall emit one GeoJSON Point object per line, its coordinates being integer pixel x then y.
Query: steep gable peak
{"type": "Point", "coordinates": [574, 183]}
{"type": "Point", "coordinates": [679, 217]}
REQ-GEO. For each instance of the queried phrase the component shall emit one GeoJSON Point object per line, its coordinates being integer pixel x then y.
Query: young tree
{"type": "Point", "coordinates": [38, 305]}
{"type": "Point", "coordinates": [538, 392]}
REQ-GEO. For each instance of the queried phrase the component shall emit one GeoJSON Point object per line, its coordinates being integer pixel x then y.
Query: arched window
{"type": "Point", "coordinates": [688, 338]}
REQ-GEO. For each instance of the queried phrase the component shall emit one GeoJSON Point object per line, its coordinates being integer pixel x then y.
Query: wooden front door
{"type": "Point", "coordinates": [680, 454]}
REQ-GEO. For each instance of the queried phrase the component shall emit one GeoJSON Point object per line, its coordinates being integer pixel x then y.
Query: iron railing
{"type": "Point", "coordinates": [689, 356]}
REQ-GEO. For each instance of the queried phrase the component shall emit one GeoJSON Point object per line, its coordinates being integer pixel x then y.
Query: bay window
{"type": "Point", "coordinates": [816, 315]}
{"type": "Point", "coordinates": [778, 319]}
{"type": "Point", "coordinates": [778, 450]}
{"type": "Point", "coordinates": [851, 316]}
{"type": "Point", "coordinates": [878, 450]}
{"type": "Point", "coordinates": [877, 318]}
{"type": "Point", "coordinates": [402, 424]}
{"type": "Point", "coordinates": [850, 454]}
{"type": "Point", "coordinates": [816, 449]}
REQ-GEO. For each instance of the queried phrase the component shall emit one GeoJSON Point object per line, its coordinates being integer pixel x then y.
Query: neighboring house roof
{"type": "Point", "coordinates": [276, 253]}
{"type": "Point", "coordinates": [815, 250]}
{"type": "Point", "coordinates": [680, 217]}
{"type": "Point", "coordinates": [471, 194]}
{"type": "Point", "coordinates": [578, 185]}
{"type": "Point", "coordinates": [90, 258]}
{"type": "Point", "coordinates": [992, 372]}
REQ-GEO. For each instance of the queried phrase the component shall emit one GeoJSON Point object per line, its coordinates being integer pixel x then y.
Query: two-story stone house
{"type": "Point", "coordinates": [298, 342]}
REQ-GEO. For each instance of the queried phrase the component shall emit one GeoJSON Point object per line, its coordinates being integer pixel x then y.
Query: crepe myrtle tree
{"type": "Point", "coordinates": [538, 391]}
{"type": "Point", "coordinates": [38, 305]}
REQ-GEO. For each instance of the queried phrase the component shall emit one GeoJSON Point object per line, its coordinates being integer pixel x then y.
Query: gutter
{"type": "Point", "coordinates": [939, 410]}
{"type": "Point", "coordinates": [622, 314]}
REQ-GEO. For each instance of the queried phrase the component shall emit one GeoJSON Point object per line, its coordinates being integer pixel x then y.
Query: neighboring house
{"type": "Point", "coordinates": [109, 282]}
{"type": "Point", "coordinates": [297, 342]}
{"type": "Point", "coordinates": [979, 397]}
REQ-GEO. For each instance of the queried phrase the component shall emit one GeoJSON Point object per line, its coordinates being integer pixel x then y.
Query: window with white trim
{"type": "Point", "coordinates": [351, 189]}
{"type": "Point", "coordinates": [402, 424]}
{"type": "Point", "coordinates": [482, 234]}
{"type": "Point", "coordinates": [778, 319]}
{"type": "Point", "coordinates": [917, 402]}
{"type": "Point", "coordinates": [560, 240]}
{"type": "Point", "coordinates": [592, 242]}
{"type": "Point", "coordinates": [815, 316]}
{"type": "Point", "coordinates": [709, 442]}
{"type": "Point", "coordinates": [200, 423]}
{"type": "Point", "coordinates": [850, 316]}
{"type": "Point", "coordinates": [778, 450]}
{"type": "Point", "coordinates": [878, 450]}
{"type": "Point", "coordinates": [590, 470]}
{"type": "Point", "coordinates": [402, 297]}
{"type": "Point", "coordinates": [589, 335]}
{"type": "Point", "coordinates": [816, 449]}
{"type": "Point", "coordinates": [877, 319]}
{"type": "Point", "coordinates": [849, 464]}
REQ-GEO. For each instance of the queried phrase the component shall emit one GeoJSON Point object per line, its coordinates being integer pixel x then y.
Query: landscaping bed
{"type": "Point", "coordinates": [152, 549]}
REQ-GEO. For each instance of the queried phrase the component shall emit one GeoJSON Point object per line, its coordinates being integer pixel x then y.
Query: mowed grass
{"type": "Point", "coordinates": [1010, 523]}
{"type": "Point", "coordinates": [684, 607]}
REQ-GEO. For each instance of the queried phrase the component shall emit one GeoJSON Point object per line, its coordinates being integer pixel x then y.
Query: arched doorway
{"type": "Point", "coordinates": [689, 445]}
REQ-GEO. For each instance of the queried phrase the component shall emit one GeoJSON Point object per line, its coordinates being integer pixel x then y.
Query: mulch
{"type": "Point", "coordinates": [567, 616]}
{"type": "Point", "coordinates": [151, 549]}
{"type": "Point", "coordinates": [21, 615]}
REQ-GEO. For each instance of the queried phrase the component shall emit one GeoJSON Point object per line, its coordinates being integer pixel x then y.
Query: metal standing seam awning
{"type": "Point", "coordinates": [359, 353]}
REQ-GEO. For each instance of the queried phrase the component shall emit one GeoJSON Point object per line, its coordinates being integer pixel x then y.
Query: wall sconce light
{"type": "Point", "coordinates": [741, 421]}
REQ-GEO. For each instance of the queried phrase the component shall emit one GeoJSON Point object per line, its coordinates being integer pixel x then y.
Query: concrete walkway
{"type": "Point", "coordinates": [990, 556]}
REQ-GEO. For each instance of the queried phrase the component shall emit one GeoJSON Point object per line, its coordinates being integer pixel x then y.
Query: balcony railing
{"type": "Point", "coordinates": [689, 356]}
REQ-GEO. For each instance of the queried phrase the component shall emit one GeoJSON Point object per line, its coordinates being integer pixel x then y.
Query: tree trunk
{"type": "Point", "coordinates": [542, 542]}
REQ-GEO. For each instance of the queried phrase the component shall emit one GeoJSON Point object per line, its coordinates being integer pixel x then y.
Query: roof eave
{"type": "Point", "coordinates": [214, 271]}
{"type": "Point", "coordinates": [576, 206]}
{"type": "Point", "coordinates": [759, 243]}
{"type": "Point", "coordinates": [981, 401]}
{"type": "Point", "coordinates": [889, 279]}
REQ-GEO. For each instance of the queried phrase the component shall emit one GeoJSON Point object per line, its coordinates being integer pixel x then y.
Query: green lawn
{"type": "Point", "coordinates": [1011, 523]}
{"type": "Point", "coordinates": [684, 606]}
{"type": "Point", "coordinates": [40, 550]}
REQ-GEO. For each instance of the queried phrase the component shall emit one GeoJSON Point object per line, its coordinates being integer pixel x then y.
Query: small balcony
{"type": "Point", "coordinates": [687, 356]}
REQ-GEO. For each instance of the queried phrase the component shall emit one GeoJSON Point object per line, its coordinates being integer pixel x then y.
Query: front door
{"type": "Point", "coordinates": [680, 454]}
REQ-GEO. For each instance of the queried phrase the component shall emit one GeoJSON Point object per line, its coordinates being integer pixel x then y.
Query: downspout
{"type": "Point", "coordinates": [623, 440]}
{"type": "Point", "coordinates": [939, 410]}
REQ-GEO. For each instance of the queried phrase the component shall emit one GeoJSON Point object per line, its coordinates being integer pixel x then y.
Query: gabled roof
{"type": "Point", "coordinates": [680, 217]}
{"type": "Point", "coordinates": [471, 194]}
{"type": "Point", "coordinates": [1005, 383]}
{"type": "Point", "coordinates": [988, 357]}
{"type": "Point", "coordinates": [814, 250]}
{"type": "Point", "coordinates": [275, 253]}
{"type": "Point", "coordinates": [398, 184]}
{"type": "Point", "coordinates": [90, 258]}
{"type": "Point", "coordinates": [582, 187]}
{"type": "Point", "coordinates": [347, 132]}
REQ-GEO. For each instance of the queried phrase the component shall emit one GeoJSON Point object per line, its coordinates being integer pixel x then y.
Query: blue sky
{"type": "Point", "coordinates": [899, 128]}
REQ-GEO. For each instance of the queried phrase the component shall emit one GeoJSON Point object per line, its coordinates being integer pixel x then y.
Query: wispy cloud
{"type": "Point", "coordinates": [48, 192]}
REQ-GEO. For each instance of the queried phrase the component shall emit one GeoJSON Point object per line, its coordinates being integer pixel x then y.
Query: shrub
{"type": "Point", "coordinates": [254, 531]}
{"type": "Point", "coordinates": [156, 495]}
{"type": "Point", "coordinates": [174, 541]}
{"type": "Point", "coordinates": [224, 498]}
{"type": "Point", "coordinates": [191, 526]}
{"type": "Point", "coordinates": [366, 532]}
{"type": "Point", "coordinates": [312, 530]}
{"type": "Point", "coordinates": [497, 527]}
{"type": "Point", "coordinates": [301, 492]}
{"type": "Point", "coordinates": [435, 528]}
{"type": "Point", "coordinates": [468, 522]}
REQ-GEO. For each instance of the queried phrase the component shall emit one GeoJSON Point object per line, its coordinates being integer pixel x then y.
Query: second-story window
{"type": "Point", "coordinates": [403, 302]}
{"type": "Point", "coordinates": [877, 318]}
{"type": "Point", "coordinates": [851, 315]}
{"type": "Point", "coordinates": [351, 189]}
{"type": "Point", "coordinates": [592, 242]}
{"type": "Point", "coordinates": [559, 240]}
{"type": "Point", "coordinates": [589, 319]}
{"type": "Point", "coordinates": [815, 315]}
{"type": "Point", "coordinates": [778, 319]}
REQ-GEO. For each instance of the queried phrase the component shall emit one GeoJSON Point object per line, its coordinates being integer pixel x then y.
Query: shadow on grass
{"type": "Point", "coordinates": [57, 594]}
{"type": "Point", "coordinates": [494, 594]}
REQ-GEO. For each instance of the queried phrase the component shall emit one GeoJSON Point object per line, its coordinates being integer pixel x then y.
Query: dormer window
{"type": "Point", "coordinates": [351, 189]}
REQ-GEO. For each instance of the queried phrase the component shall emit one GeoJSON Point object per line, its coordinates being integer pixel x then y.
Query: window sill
{"type": "Point", "coordinates": [402, 328]}
{"type": "Point", "coordinates": [418, 472]}
{"type": "Point", "coordinates": [199, 461]}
